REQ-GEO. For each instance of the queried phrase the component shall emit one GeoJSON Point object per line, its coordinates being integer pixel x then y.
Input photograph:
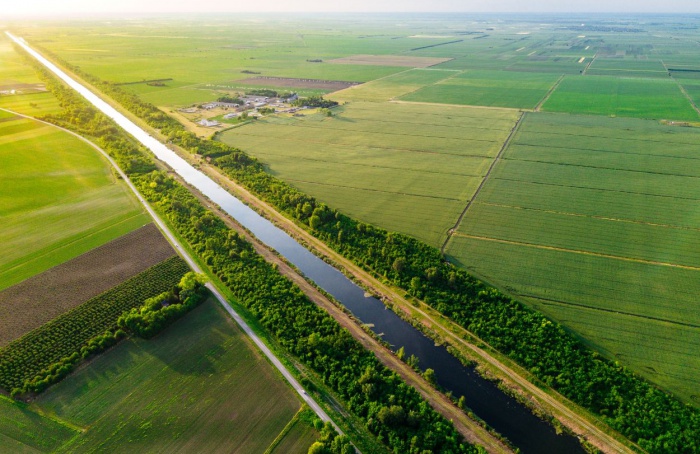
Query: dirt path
{"type": "Point", "coordinates": [549, 93]}
{"type": "Point", "coordinates": [483, 181]}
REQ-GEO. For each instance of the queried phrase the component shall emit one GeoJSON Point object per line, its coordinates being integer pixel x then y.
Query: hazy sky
{"type": "Point", "coordinates": [56, 7]}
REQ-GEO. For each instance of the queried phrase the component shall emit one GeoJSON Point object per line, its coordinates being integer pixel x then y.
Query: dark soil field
{"type": "Point", "coordinates": [40, 299]}
{"type": "Point", "coordinates": [288, 82]}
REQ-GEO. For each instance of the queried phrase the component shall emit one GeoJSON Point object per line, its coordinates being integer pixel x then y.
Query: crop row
{"type": "Point", "coordinates": [32, 354]}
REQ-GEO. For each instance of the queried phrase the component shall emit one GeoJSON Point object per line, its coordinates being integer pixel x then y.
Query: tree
{"type": "Point", "coordinates": [429, 375]}
{"type": "Point", "coordinates": [318, 448]}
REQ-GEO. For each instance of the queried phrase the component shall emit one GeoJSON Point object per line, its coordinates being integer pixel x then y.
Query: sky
{"type": "Point", "coordinates": [71, 7]}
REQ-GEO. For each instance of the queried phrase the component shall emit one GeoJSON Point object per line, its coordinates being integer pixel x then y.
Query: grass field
{"type": "Point", "coordinates": [392, 86]}
{"type": "Point", "coordinates": [58, 199]}
{"type": "Point", "coordinates": [624, 97]}
{"type": "Point", "coordinates": [594, 222]}
{"type": "Point", "coordinates": [14, 74]}
{"type": "Point", "coordinates": [408, 168]}
{"type": "Point", "coordinates": [625, 67]}
{"type": "Point", "coordinates": [488, 88]}
{"type": "Point", "coordinates": [23, 430]}
{"type": "Point", "coordinates": [199, 386]}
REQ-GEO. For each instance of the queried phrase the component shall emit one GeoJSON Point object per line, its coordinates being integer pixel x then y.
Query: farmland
{"type": "Point", "coordinates": [389, 60]}
{"type": "Point", "coordinates": [58, 199]}
{"type": "Point", "coordinates": [624, 97]}
{"type": "Point", "coordinates": [45, 296]}
{"type": "Point", "coordinates": [590, 219]}
{"type": "Point", "coordinates": [488, 88]}
{"type": "Point", "coordinates": [16, 75]}
{"type": "Point", "coordinates": [608, 207]}
{"type": "Point", "coordinates": [165, 395]}
{"type": "Point", "coordinates": [392, 86]}
{"type": "Point", "coordinates": [371, 160]}
{"type": "Point", "coordinates": [30, 358]}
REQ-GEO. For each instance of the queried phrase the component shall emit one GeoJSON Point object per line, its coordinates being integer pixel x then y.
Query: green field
{"type": "Point", "coordinates": [627, 67]}
{"type": "Point", "coordinates": [392, 86]}
{"type": "Point", "coordinates": [380, 162]}
{"type": "Point", "coordinates": [199, 386]}
{"type": "Point", "coordinates": [621, 97]}
{"type": "Point", "coordinates": [594, 222]}
{"type": "Point", "coordinates": [58, 199]}
{"type": "Point", "coordinates": [14, 75]}
{"type": "Point", "coordinates": [488, 88]}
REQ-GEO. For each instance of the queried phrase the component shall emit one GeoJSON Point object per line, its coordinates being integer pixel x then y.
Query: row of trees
{"type": "Point", "coordinates": [656, 420]}
{"type": "Point", "coordinates": [159, 312]}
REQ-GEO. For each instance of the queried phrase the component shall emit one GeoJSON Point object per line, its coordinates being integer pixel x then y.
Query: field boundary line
{"type": "Point", "coordinates": [69, 243]}
{"type": "Point", "coordinates": [612, 311]}
{"type": "Point", "coordinates": [376, 190]}
{"type": "Point", "coordinates": [614, 169]}
{"type": "Point", "coordinates": [593, 216]}
{"type": "Point", "coordinates": [283, 433]}
{"type": "Point", "coordinates": [393, 98]}
{"type": "Point", "coordinates": [549, 93]}
{"type": "Point", "coordinates": [309, 126]}
{"type": "Point", "coordinates": [599, 150]}
{"type": "Point", "coordinates": [585, 70]}
{"type": "Point", "coordinates": [375, 147]}
{"type": "Point", "coordinates": [685, 93]}
{"type": "Point", "coordinates": [454, 228]}
{"type": "Point", "coordinates": [578, 251]}
{"type": "Point", "coordinates": [440, 104]}
{"type": "Point", "coordinates": [296, 386]}
{"type": "Point", "coordinates": [620, 191]}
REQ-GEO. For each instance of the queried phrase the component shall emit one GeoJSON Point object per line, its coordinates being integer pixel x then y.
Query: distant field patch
{"type": "Point", "coordinates": [392, 86]}
{"type": "Point", "coordinates": [390, 60]}
{"type": "Point", "coordinates": [488, 88]}
{"type": "Point", "coordinates": [408, 168]}
{"type": "Point", "coordinates": [58, 199]}
{"type": "Point", "coordinates": [626, 97]}
{"type": "Point", "coordinates": [22, 88]}
{"type": "Point", "coordinates": [625, 67]}
{"type": "Point", "coordinates": [288, 82]}
{"type": "Point", "coordinates": [43, 297]}
{"type": "Point", "coordinates": [594, 221]}
{"type": "Point", "coordinates": [197, 387]}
